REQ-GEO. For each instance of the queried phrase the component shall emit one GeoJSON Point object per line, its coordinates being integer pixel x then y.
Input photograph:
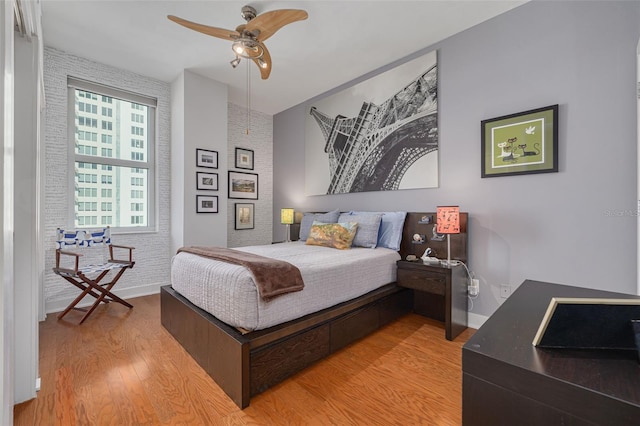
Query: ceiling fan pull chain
{"type": "Point", "coordinates": [248, 96]}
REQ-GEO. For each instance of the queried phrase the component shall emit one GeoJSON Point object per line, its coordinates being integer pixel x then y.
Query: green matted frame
{"type": "Point", "coordinates": [521, 143]}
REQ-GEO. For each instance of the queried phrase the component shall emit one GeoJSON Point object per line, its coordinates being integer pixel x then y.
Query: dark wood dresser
{"type": "Point", "coordinates": [508, 381]}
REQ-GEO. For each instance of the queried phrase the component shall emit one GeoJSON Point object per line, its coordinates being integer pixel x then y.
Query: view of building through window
{"type": "Point", "coordinates": [112, 140]}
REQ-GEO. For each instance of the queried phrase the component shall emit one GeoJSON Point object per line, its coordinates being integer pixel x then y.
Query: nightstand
{"type": "Point", "coordinates": [439, 292]}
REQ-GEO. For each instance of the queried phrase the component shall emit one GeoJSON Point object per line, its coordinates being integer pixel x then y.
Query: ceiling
{"type": "Point", "coordinates": [340, 41]}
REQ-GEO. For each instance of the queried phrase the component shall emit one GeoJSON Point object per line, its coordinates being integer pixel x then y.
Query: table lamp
{"type": "Point", "coordinates": [286, 218]}
{"type": "Point", "coordinates": [448, 222]}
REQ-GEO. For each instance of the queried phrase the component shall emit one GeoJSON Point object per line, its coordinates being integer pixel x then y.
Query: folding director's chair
{"type": "Point", "coordinates": [80, 276]}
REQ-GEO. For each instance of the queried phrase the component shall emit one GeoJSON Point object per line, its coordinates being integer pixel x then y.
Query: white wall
{"type": "Point", "coordinates": [6, 206]}
{"type": "Point", "coordinates": [260, 140]}
{"type": "Point", "coordinates": [177, 162]}
{"type": "Point", "coordinates": [575, 227]}
{"type": "Point", "coordinates": [199, 121]}
{"type": "Point", "coordinates": [27, 261]}
{"type": "Point", "coordinates": [153, 251]}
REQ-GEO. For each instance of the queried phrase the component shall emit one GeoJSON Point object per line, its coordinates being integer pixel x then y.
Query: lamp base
{"type": "Point", "coordinates": [288, 240]}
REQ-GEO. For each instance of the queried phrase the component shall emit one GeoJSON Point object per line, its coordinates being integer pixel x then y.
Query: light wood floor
{"type": "Point", "coordinates": [121, 367]}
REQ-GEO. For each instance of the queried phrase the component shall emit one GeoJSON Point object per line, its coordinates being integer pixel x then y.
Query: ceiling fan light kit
{"type": "Point", "coordinates": [248, 39]}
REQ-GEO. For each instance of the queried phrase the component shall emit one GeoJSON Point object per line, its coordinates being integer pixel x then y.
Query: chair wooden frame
{"type": "Point", "coordinates": [93, 287]}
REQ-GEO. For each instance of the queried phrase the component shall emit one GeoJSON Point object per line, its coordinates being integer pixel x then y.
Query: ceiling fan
{"type": "Point", "coordinates": [248, 39]}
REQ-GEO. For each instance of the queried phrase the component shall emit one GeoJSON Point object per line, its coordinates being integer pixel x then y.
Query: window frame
{"type": "Point", "coordinates": [150, 163]}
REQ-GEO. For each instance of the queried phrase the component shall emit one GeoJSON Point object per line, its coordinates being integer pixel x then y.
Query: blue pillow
{"type": "Point", "coordinates": [390, 233]}
{"type": "Point", "coordinates": [368, 227]}
{"type": "Point", "coordinates": [308, 218]}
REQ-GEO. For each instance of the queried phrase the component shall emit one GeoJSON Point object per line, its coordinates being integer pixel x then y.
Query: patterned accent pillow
{"type": "Point", "coordinates": [336, 235]}
{"type": "Point", "coordinates": [309, 218]}
{"type": "Point", "coordinates": [368, 226]}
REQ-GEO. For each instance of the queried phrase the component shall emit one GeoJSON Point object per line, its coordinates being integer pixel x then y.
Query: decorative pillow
{"type": "Point", "coordinates": [308, 218]}
{"type": "Point", "coordinates": [368, 227]}
{"type": "Point", "coordinates": [336, 235]}
{"type": "Point", "coordinates": [390, 233]}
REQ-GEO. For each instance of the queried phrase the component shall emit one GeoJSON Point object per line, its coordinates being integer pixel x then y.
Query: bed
{"type": "Point", "coordinates": [248, 350]}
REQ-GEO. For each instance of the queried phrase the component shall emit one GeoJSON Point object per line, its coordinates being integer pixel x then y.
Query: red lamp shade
{"type": "Point", "coordinates": [448, 220]}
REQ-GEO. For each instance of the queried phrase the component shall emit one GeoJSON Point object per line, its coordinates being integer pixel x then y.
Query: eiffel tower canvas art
{"type": "Point", "coordinates": [379, 135]}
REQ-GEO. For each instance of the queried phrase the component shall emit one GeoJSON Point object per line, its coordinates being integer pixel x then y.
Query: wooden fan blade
{"type": "Point", "coordinates": [270, 22]}
{"type": "Point", "coordinates": [266, 57]}
{"type": "Point", "coordinates": [205, 29]}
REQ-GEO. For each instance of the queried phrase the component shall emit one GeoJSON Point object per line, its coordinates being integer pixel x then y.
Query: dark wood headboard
{"type": "Point", "coordinates": [415, 224]}
{"type": "Point", "coordinates": [423, 224]}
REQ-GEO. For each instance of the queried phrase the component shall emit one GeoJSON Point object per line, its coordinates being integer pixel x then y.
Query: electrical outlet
{"type": "Point", "coordinates": [505, 290]}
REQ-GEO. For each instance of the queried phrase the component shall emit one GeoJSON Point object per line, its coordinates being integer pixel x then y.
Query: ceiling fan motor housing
{"type": "Point", "coordinates": [248, 13]}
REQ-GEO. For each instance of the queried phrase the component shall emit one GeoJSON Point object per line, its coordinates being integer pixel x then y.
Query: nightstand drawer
{"type": "Point", "coordinates": [419, 280]}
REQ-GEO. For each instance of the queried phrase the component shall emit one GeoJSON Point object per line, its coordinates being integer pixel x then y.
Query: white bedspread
{"type": "Point", "coordinates": [330, 276]}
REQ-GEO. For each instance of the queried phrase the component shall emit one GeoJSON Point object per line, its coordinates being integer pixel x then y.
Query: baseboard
{"type": "Point", "coordinates": [476, 320]}
{"type": "Point", "coordinates": [125, 293]}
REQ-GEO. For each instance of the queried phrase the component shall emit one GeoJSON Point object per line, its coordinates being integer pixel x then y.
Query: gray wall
{"type": "Point", "coordinates": [198, 121]}
{"type": "Point", "coordinates": [575, 227]}
{"type": "Point", "coordinates": [260, 140]}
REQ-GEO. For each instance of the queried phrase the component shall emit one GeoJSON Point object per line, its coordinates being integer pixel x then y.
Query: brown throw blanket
{"type": "Point", "coordinates": [273, 277]}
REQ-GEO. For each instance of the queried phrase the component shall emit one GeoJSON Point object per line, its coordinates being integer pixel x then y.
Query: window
{"type": "Point", "coordinates": [87, 121]}
{"type": "Point", "coordinates": [84, 206]}
{"type": "Point", "coordinates": [87, 136]}
{"type": "Point", "coordinates": [135, 130]}
{"type": "Point", "coordinates": [88, 192]}
{"type": "Point", "coordinates": [114, 161]}
{"type": "Point", "coordinates": [87, 177]}
{"type": "Point", "coordinates": [87, 166]}
{"type": "Point", "coordinates": [87, 150]}
{"type": "Point", "coordinates": [87, 220]}
{"type": "Point", "coordinates": [84, 107]}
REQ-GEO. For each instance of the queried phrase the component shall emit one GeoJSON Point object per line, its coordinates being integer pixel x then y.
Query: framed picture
{"type": "Point", "coordinates": [206, 204]}
{"type": "Point", "coordinates": [206, 158]}
{"type": "Point", "coordinates": [243, 185]}
{"type": "Point", "coordinates": [244, 215]}
{"type": "Point", "coordinates": [244, 158]}
{"type": "Point", "coordinates": [522, 143]}
{"type": "Point", "coordinates": [207, 181]}
{"type": "Point", "coordinates": [569, 323]}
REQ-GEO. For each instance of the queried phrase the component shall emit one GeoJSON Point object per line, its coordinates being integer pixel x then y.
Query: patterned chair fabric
{"type": "Point", "coordinates": [82, 238]}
